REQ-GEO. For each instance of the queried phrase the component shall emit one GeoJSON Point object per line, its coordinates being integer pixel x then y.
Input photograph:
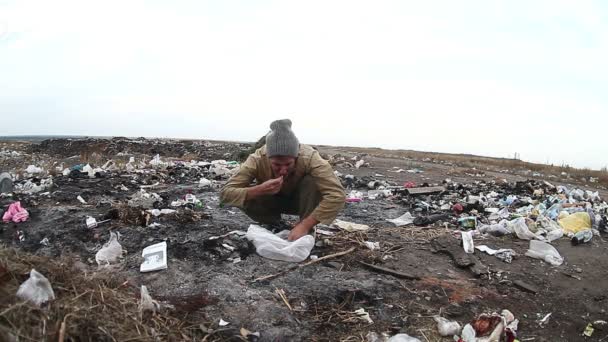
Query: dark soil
{"type": "Point", "coordinates": [203, 280]}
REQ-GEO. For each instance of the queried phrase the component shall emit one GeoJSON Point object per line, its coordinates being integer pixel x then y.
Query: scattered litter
{"type": "Point", "coordinates": [576, 222]}
{"type": "Point", "coordinates": [354, 197]}
{"type": "Point", "coordinates": [468, 222]}
{"type": "Point", "coordinates": [545, 319]}
{"type": "Point", "coordinates": [158, 212]}
{"type": "Point", "coordinates": [447, 327]}
{"type": "Point", "coordinates": [363, 315]}
{"type": "Point", "coordinates": [324, 232]}
{"type": "Point", "coordinates": [425, 190]}
{"type": "Point", "coordinates": [544, 251]}
{"type": "Point", "coordinates": [6, 183]}
{"type": "Point", "coordinates": [223, 323]}
{"type": "Point", "coordinates": [588, 330]}
{"type": "Point", "coordinates": [45, 242]}
{"type": "Point", "coordinates": [37, 289]}
{"type": "Point", "coordinates": [582, 236]}
{"type": "Point", "coordinates": [372, 245]}
{"type": "Point", "coordinates": [155, 257]}
{"type": "Point", "coordinates": [110, 252]}
{"type": "Point", "coordinates": [403, 220]}
{"type": "Point", "coordinates": [350, 226]}
{"type": "Point", "coordinates": [403, 338]}
{"type": "Point", "coordinates": [204, 183]}
{"type": "Point", "coordinates": [274, 247]}
{"type": "Point", "coordinates": [146, 303]}
{"type": "Point", "coordinates": [32, 169]}
{"type": "Point", "coordinates": [15, 213]}
{"type": "Point", "coordinates": [81, 200]}
{"type": "Point", "coordinates": [467, 242]}
{"type": "Point", "coordinates": [503, 254]}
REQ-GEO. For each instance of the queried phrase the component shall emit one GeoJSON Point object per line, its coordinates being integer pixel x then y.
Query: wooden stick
{"type": "Point", "coordinates": [281, 294]}
{"type": "Point", "coordinates": [335, 255]}
{"type": "Point", "coordinates": [391, 272]}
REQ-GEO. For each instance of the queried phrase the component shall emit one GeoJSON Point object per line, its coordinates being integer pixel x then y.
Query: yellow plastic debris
{"type": "Point", "coordinates": [576, 222]}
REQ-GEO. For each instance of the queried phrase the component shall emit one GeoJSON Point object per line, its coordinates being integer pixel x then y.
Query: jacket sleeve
{"type": "Point", "coordinates": [234, 192]}
{"type": "Point", "coordinates": [332, 192]}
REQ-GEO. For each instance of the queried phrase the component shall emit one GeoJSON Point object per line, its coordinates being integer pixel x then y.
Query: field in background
{"type": "Point", "coordinates": [563, 173]}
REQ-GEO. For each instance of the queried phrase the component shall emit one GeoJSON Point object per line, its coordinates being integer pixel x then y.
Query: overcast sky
{"type": "Point", "coordinates": [482, 77]}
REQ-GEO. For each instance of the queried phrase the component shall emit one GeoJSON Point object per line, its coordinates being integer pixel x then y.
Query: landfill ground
{"type": "Point", "coordinates": [208, 280]}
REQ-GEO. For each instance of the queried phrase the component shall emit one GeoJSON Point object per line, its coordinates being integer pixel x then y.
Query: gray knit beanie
{"type": "Point", "coordinates": [281, 141]}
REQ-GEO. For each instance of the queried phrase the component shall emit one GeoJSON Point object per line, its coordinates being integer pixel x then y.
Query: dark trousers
{"type": "Point", "coordinates": [302, 202]}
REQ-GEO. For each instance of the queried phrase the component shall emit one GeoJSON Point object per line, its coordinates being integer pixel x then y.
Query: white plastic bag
{"type": "Point", "coordinates": [110, 252]}
{"type": "Point", "coordinates": [204, 183]}
{"type": "Point", "coordinates": [403, 220]}
{"type": "Point", "coordinates": [467, 242]}
{"type": "Point", "coordinates": [446, 327]}
{"type": "Point", "coordinates": [37, 289]}
{"type": "Point", "coordinates": [403, 338]}
{"type": "Point", "coordinates": [274, 247]}
{"type": "Point", "coordinates": [544, 251]}
{"type": "Point", "coordinates": [146, 302]}
{"type": "Point", "coordinates": [522, 231]}
{"type": "Point", "coordinates": [468, 334]}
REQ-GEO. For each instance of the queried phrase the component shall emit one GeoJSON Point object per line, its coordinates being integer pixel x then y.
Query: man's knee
{"type": "Point", "coordinates": [263, 209]}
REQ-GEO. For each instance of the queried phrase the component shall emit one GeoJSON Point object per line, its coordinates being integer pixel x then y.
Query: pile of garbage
{"type": "Point", "coordinates": [530, 210]}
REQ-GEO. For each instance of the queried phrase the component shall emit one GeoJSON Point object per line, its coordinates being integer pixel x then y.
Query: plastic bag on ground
{"type": "Point", "coordinates": [15, 213]}
{"type": "Point", "coordinates": [447, 327]}
{"type": "Point", "coordinates": [110, 252]}
{"type": "Point", "coordinates": [468, 334]}
{"type": "Point", "coordinates": [273, 247]}
{"type": "Point", "coordinates": [499, 229]}
{"type": "Point", "coordinates": [403, 338]}
{"type": "Point", "coordinates": [576, 222]}
{"type": "Point", "coordinates": [37, 289]}
{"type": "Point", "coordinates": [32, 169]}
{"type": "Point", "coordinates": [403, 220]}
{"type": "Point", "coordinates": [146, 302]}
{"type": "Point", "coordinates": [520, 228]}
{"type": "Point", "coordinates": [544, 251]}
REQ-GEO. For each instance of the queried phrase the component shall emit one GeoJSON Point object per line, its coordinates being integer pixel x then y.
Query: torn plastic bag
{"type": "Point", "coordinates": [576, 222]}
{"type": "Point", "coordinates": [37, 289]}
{"type": "Point", "coordinates": [544, 251]}
{"type": "Point", "coordinates": [273, 247]}
{"type": "Point", "coordinates": [110, 252]}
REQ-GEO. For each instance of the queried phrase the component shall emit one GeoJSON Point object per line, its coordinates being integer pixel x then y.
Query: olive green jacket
{"type": "Point", "coordinates": [309, 162]}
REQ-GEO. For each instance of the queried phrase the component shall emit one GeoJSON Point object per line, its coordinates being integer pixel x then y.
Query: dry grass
{"type": "Point", "coordinates": [490, 163]}
{"type": "Point", "coordinates": [97, 307]}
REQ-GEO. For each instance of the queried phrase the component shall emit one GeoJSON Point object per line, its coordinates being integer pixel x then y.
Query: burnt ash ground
{"type": "Point", "coordinates": [203, 281]}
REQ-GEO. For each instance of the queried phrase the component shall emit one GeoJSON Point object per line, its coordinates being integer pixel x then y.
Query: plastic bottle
{"type": "Point", "coordinates": [583, 236]}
